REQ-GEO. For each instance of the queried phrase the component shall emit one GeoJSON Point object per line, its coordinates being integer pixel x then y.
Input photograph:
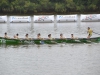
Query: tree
{"type": "Point", "coordinates": [70, 5]}
{"type": "Point", "coordinates": [4, 5]}
{"type": "Point", "coordinates": [45, 6]}
{"type": "Point", "coordinates": [59, 7]}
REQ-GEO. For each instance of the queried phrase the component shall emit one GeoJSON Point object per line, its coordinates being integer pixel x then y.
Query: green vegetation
{"type": "Point", "coordinates": [49, 6]}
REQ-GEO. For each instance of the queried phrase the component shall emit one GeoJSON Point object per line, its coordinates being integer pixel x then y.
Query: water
{"type": "Point", "coordinates": [59, 59]}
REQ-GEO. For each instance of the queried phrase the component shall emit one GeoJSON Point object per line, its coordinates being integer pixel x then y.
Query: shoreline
{"type": "Point", "coordinates": [50, 13]}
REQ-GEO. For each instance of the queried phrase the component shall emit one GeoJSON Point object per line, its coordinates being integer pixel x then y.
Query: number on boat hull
{"type": "Point", "coordinates": [2, 41]}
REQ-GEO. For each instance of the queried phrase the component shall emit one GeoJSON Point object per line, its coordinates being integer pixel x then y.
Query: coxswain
{"type": "Point", "coordinates": [89, 32]}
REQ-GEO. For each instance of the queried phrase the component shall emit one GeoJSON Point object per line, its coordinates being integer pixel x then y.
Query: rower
{"type": "Point", "coordinates": [39, 36]}
{"type": "Point", "coordinates": [61, 36]}
{"type": "Point", "coordinates": [16, 36]}
{"type": "Point", "coordinates": [72, 36]}
{"type": "Point", "coordinates": [89, 32]}
{"type": "Point", "coordinates": [5, 36]}
{"type": "Point", "coordinates": [49, 37]}
{"type": "Point", "coordinates": [26, 37]}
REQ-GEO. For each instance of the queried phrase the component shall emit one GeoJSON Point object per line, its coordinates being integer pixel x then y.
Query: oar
{"type": "Point", "coordinates": [96, 33]}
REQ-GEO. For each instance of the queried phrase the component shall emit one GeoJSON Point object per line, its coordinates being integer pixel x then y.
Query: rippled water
{"type": "Point", "coordinates": [59, 59]}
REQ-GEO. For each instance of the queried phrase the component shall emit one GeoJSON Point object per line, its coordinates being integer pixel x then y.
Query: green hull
{"type": "Point", "coordinates": [47, 41]}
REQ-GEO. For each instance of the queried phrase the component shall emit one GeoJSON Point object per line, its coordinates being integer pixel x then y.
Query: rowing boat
{"type": "Point", "coordinates": [47, 41]}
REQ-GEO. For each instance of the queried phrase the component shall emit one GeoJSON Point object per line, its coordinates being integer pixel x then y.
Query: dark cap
{"type": "Point", "coordinates": [17, 34]}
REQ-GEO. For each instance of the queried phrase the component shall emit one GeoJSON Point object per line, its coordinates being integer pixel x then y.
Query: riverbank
{"type": "Point", "coordinates": [51, 13]}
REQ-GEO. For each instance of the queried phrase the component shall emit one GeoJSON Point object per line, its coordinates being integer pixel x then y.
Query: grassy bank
{"type": "Point", "coordinates": [53, 13]}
